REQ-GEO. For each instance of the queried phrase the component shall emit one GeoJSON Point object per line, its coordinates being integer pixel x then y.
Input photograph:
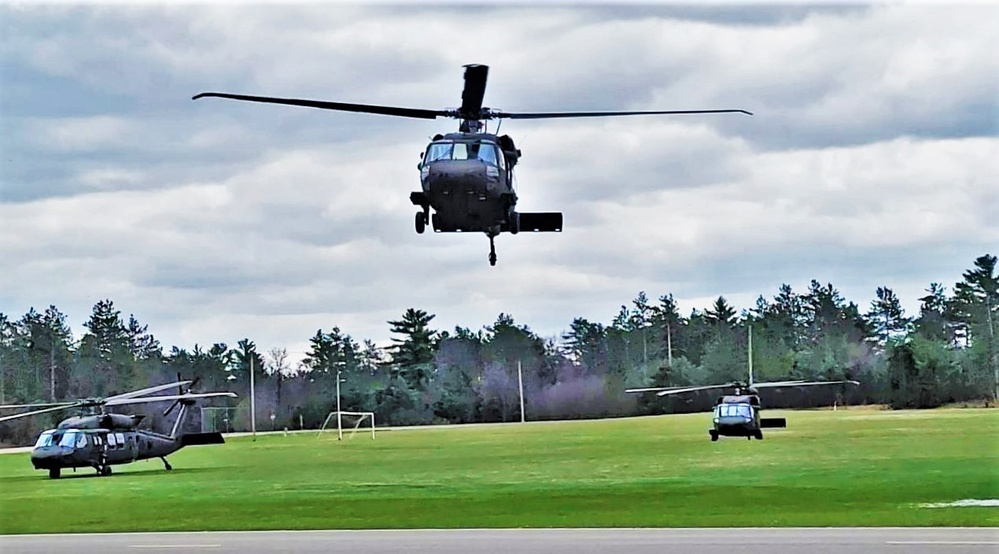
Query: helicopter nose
{"type": "Point", "coordinates": [46, 457]}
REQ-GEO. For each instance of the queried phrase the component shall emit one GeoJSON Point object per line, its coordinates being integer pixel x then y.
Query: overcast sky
{"type": "Point", "coordinates": [871, 160]}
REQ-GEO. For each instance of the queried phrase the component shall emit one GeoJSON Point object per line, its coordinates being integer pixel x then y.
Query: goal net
{"type": "Point", "coordinates": [218, 419]}
{"type": "Point", "coordinates": [347, 420]}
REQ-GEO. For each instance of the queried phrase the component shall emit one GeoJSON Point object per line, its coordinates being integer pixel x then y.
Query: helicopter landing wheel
{"type": "Point", "coordinates": [759, 435]}
{"type": "Point", "coordinates": [492, 251]}
{"type": "Point", "coordinates": [166, 464]}
{"type": "Point", "coordinates": [421, 222]}
{"type": "Point", "coordinates": [104, 471]}
{"type": "Point", "coordinates": [714, 435]}
{"type": "Point", "coordinates": [54, 473]}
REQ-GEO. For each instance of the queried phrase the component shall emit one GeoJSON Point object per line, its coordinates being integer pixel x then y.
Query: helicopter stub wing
{"type": "Point", "coordinates": [324, 105]}
{"type": "Point", "coordinates": [540, 222]}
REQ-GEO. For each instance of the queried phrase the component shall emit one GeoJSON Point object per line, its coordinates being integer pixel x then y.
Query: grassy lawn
{"type": "Point", "coordinates": [859, 467]}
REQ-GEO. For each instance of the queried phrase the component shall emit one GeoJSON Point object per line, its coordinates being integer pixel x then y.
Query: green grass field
{"type": "Point", "coordinates": [859, 467]}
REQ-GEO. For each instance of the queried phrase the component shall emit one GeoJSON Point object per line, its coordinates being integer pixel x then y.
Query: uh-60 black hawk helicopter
{"type": "Point", "coordinates": [738, 414]}
{"type": "Point", "coordinates": [467, 176]}
{"type": "Point", "coordinates": [100, 440]}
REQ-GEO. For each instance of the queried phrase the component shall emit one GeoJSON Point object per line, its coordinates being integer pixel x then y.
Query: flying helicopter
{"type": "Point", "coordinates": [103, 439]}
{"type": "Point", "coordinates": [738, 414]}
{"type": "Point", "coordinates": [467, 176]}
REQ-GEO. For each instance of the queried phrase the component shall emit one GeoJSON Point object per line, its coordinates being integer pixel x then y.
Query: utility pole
{"type": "Point", "coordinates": [520, 383]}
{"type": "Point", "coordinates": [253, 404]}
{"type": "Point", "coordinates": [750, 355]}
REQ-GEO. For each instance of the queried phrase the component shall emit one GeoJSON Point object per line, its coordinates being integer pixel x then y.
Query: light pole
{"type": "Point", "coordinates": [253, 404]}
{"type": "Point", "coordinates": [520, 383]}
{"type": "Point", "coordinates": [339, 422]}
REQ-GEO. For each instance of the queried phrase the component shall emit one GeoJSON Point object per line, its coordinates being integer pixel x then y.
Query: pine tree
{"type": "Point", "coordinates": [413, 354]}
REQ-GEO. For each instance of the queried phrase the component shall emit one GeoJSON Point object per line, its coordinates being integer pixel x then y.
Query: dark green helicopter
{"type": "Point", "coordinates": [467, 176]}
{"type": "Point", "coordinates": [738, 414]}
{"type": "Point", "coordinates": [101, 440]}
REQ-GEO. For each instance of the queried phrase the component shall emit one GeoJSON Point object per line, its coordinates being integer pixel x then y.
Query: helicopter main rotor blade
{"type": "Point", "coordinates": [559, 115]}
{"type": "Point", "coordinates": [693, 389]}
{"type": "Point", "coordinates": [806, 383]}
{"type": "Point", "coordinates": [149, 390]}
{"type": "Point", "coordinates": [41, 405]}
{"type": "Point", "coordinates": [339, 106]}
{"type": "Point", "coordinates": [665, 391]}
{"type": "Point", "coordinates": [653, 389]}
{"type": "Point", "coordinates": [773, 384]}
{"type": "Point", "coordinates": [168, 398]}
{"type": "Point", "coordinates": [474, 91]}
{"type": "Point", "coordinates": [37, 412]}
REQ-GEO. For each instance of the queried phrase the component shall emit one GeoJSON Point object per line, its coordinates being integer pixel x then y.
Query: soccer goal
{"type": "Point", "coordinates": [349, 420]}
{"type": "Point", "coordinates": [218, 419]}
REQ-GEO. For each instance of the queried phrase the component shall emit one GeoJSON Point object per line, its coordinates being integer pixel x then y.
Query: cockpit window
{"type": "Point", "coordinates": [450, 150]}
{"type": "Point", "coordinates": [487, 153]}
{"type": "Point", "coordinates": [45, 439]}
{"type": "Point", "coordinates": [734, 410]}
{"type": "Point", "coordinates": [69, 439]}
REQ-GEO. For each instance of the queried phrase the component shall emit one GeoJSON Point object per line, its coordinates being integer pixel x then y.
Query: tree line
{"type": "Point", "coordinates": [946, 353]}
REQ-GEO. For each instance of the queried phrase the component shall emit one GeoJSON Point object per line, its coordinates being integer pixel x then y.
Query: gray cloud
{"type": "Point", "coordinates": [869, 162]}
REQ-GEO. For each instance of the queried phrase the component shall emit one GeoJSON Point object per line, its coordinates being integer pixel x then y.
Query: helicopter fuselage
{"type": "Point", "coordinates": [72, 448]}
{"type": "Point", "coordinates": [467, 181]}
{"type": "Point", "coordinates": [739, 416]}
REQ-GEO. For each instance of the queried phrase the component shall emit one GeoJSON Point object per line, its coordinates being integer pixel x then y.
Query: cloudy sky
{"type": "Point", "coordinates": [871, 159]}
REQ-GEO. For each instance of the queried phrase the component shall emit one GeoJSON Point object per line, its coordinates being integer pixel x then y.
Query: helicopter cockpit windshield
{"type": "Point", "coordinates": [45, 439]}
{"type": "Point", "coordinates": [453, 150]}
{"type": "Point", "coordinates": [734, 410]}
{"type": "Point", "coordinates": [72, 439]}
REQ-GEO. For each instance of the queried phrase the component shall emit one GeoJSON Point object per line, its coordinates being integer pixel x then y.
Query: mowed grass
{"type": "Point", "coordinates": [858, 467]}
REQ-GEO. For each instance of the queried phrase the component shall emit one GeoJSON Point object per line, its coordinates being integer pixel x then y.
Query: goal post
{"type": "Point", "coordinates": [218, 419]}
{"type": "Point", "coordinates": [352, 420]}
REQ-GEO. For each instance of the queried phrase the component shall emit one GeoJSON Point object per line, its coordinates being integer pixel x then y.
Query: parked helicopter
{"type": "Point", "coordinates": [104, 439]}
{"type": "Point", "coordinates": [467, 177]}
{"type": "Point", "coordinates": [738, 414]}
